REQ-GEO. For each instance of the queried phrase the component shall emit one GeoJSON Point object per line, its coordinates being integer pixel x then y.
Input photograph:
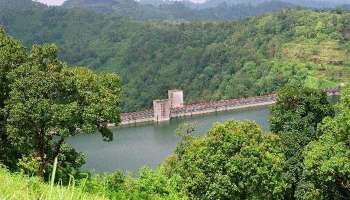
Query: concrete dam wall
{"type": "Point", "coordinates": [165, 109]}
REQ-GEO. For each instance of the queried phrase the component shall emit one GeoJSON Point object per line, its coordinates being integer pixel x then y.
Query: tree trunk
{"type": "Point", "coordinates": [46, 160]}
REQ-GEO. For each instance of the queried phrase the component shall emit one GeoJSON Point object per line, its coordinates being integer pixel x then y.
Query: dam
{"type": "Point", "coordinates": [174, 107]}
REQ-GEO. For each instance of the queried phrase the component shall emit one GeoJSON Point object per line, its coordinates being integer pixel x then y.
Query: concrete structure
{"type": "Point", "coordinates": [176, 98]}
{"type": "Point", "coordinates": [164, 110]}
{"type": "Point", "coordinates": [161, 109]}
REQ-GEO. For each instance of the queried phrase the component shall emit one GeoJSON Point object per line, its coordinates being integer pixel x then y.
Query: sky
{"type": "Point", "coordinates": [52, 2]}
{"type": "Point", "coordinates": [59, 2]}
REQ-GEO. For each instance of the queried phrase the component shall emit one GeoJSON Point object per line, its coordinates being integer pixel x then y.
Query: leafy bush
{"type": "Point", "coordinates": [236, 160]}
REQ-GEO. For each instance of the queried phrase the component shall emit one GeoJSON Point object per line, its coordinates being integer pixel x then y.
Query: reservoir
{"type": "Point", "coordinates": [148, 145]}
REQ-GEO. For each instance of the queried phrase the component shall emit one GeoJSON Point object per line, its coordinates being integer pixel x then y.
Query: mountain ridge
{"type": "Point", "coordinates": [175, 10]}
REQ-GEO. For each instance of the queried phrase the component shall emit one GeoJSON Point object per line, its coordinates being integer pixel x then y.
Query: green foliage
{"type": "Point", "coordinates": [12, 55]}
{"type": "Point", "coordinates": [208, 60]}
{"type": "Point", "coordinates": [152, 185]}
{"type": "Point", "coordinates": [149, 185]}
{"type": "Point", "coordinates": [299, 109]}
{"type": "Point", "coordinates": [177, 10]}
{"type": "Point", "coordinates": [295, 118]}
{"type": "Point", "coordinates": [46, 102]}
{"type": "Point", "coordinates": [234, 161]}
{"type": "Point", "coordinates": [18, 186]}
{"type": "Point", "coordinates": [327, 160]}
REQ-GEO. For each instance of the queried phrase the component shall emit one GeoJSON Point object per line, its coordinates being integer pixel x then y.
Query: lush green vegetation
{"type": "Point", "coordinates": [16, 186]}
{"type": "Point", "coordinates": [326, 172]}
{"type": "Point", "coordinates": [212, 10]}
{"type": "Point", "coordinates": [295, 119]}
{"type": "Point", "coordinates": [236, 160]}
{"type": "Point", "coordinates": [176, 10]}
{"type": "Point", "coordinates": [117, 186]}
{"type": "Point", "coordinates": [207, 60]}
{"type": "Point", "coordinates": [43, 102]}
{"type": "Point", "coordinates": [320, 4]}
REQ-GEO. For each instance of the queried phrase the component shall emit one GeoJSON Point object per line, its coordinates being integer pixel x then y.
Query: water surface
{"type": "Point", "coordinates": [149, 144]}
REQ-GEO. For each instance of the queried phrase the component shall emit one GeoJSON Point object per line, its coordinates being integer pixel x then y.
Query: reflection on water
{"type": "Point", "coordinates": [134, 147]}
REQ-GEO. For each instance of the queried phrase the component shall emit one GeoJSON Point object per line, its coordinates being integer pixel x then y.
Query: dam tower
{"type": "Point", "coordinates": [162, 108]}
{"type": "Point", "coordinates": [176, 98]}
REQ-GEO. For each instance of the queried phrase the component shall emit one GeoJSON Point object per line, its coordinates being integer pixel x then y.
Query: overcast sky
{"type": "Point", "coordinates": [59, 2]}
{"type": "Point", "coordinates": [52, 2]}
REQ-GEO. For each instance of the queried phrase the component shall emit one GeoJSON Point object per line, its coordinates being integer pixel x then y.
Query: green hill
{"type": "Point", "coordinates": [176, 10]}
{"type": "Point", "coordinates": [208, 60]}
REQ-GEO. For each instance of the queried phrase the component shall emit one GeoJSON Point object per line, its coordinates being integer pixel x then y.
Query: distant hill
{"type": "Point", "coordinates": [212, 10]}
{"type": "Point", "coordinates": [119, 7]}
{"type": "Point", "coordinates": [319, 4]}
{"type": "Point", "coordinates": [174, 10]}
{"type": "Point", "coordinates": [20, 4]}
{"type": "Point", "coordinates": [209, 60]}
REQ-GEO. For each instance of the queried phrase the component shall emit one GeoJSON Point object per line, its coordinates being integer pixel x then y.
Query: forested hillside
{"type": "Point", "coordinates": [319, 4]}
{"type": "Point", "coordinates": [176, 10]}
{"type": "Point", "coordinates": [212, 10]}
{"type": "Point", "coordinates": [306, 3]}
{"type": "Point", "coordinates": [214, 60]}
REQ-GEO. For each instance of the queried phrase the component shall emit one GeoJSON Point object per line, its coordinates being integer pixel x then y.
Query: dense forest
{"type": "Point", "coordinates": [319, 4]}
{"type": "Point", "coordinates": [208, 60]}
{"type": "Point", "coordinates": [177, 10]}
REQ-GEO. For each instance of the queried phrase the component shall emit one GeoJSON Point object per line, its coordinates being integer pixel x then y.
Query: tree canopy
{"type": "Point", "coordinates": [46, 101]}
{"type": "Point", "coordinates": [326, 172]}
{"type": "Point", "coordinates": [236, 160]}
{"type": "Point", "coordinates": [295, 118]}
{"type": "Point", "coordinates": [12, 55]}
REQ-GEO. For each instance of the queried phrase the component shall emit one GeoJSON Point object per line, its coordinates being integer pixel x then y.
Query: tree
{"type": "Point", "coordinates": [327, 160]}
{"type": "Point", "coordinates": [49, 102]}
{"type": "Point", "coordinates": [295, 118]}
{"type": "Point", "coordinates": [12, 55]}
{"type": "Point", "coordinates": [236, 160]}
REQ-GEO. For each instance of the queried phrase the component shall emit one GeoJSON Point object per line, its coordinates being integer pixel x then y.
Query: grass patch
{"type": "Point", "coordinates": [316, 83]}
{"type": "Point", "coordinates": [322, 53]}
{"type": "Point", "coordinates": [15, 186]}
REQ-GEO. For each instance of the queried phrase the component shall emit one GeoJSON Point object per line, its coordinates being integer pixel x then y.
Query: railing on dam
{"type": "Point", "coordinates": [207, 107]}
{"type": "Point", "coordinates": [137, 117]}
{"type": "Point", "coordinates": [215, 106]}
